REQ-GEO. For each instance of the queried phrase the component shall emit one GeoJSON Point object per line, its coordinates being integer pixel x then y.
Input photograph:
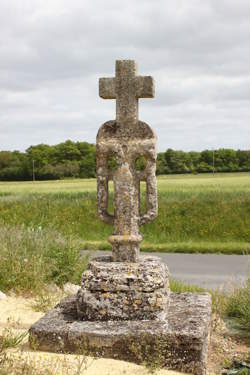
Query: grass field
{"type": "Point", "coordinates": [43, 225]}
{"type": "Point", "coordinates": [197, 213]}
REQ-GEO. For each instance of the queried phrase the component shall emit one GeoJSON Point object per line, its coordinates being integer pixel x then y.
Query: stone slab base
{"type": "Point", "coordinates": [178, 342]}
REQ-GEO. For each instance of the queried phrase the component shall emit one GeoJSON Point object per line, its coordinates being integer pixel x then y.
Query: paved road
{"type": "Point", "coordinates": [206, 270]}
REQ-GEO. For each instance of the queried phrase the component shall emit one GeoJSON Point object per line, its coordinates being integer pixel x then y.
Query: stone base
{"type": "Point", "coordinates": [179, 342]}
{"type": "Point", "coordinates": [123, 291]}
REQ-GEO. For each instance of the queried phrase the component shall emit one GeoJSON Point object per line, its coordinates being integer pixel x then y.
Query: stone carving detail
{"type": "Point", "coordinates": [126, 139]}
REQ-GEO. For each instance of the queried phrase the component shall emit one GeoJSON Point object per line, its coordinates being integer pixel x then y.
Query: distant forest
{"type": "Point", "coordinates": [77, 159]}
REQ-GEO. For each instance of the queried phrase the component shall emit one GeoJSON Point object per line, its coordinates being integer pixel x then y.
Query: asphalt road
{"type": "Point", "coordinates": [206, 270]}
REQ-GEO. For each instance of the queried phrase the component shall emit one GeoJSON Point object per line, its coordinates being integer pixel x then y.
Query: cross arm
{"type": "Point", "coordinates": [145, 87]}
{"type": "Point", "coordinates": [107, 88]}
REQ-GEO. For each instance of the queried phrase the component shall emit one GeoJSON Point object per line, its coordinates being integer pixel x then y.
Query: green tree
{"type": "Point", "coordinates": [67, 151]}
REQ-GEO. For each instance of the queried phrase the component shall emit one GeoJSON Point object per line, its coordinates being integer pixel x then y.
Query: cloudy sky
{"type": "Point", "coordinates": [52, 53]}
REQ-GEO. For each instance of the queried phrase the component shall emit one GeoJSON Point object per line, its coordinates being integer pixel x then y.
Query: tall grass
{"type": "Point", "coordinates": [32, 258]}
{"type": "Point", "coordinates": [204, 222]}
{"type": "Point", "coordinates": [238, 305]}
{"type": "Point", "coordinates": [196, 213]}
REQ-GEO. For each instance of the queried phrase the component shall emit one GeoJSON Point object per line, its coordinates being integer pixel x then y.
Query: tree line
{"type": "Point", "coordinates": [77, 159]}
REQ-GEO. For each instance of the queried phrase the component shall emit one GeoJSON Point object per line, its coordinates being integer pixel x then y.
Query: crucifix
{"type": "Point", "coordinates": [126, 139]}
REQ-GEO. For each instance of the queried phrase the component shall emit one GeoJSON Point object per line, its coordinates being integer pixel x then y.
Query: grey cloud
{"type": "Point", "coordinates": [52, 54]}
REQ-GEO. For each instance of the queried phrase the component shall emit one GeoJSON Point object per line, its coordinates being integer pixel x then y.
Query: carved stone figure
{"type": "Point", "coordinates": [126, 139]}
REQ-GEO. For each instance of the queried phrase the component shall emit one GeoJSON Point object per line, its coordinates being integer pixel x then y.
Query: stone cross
{"type": "Point", "coordinates": [126, 88]}
{"type": "Point", "coordinates": [126, 139]}
{"type": "Point", "coordinates": [125, 298]}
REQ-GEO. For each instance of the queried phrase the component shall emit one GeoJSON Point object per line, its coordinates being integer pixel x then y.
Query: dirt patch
{"type": "Point", "coordinates": [225, 347]}
{"type": "Point", "coordinates": [16, 312]}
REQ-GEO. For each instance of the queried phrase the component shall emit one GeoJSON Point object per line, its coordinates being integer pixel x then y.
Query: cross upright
{"type": "Point", "coordinates": [126, 139]}
{"type": "Point", "coordinates": [126, 87]}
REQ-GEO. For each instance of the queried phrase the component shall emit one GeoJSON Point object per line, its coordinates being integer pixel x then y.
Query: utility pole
{"type": "Point", "coordinates": [33, 170]}
{"type": "Point", "coordinates": [213, 161]}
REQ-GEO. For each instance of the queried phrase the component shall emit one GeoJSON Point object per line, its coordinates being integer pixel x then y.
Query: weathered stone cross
{"type": "Point", "coordinates": [126, 88]}
{"type": "Point", "coordinates": [126, 139]}
{"type": "Point", "coordinates": [124, 298]}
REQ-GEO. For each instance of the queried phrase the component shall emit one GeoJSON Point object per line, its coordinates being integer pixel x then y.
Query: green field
{"type": "Point", "coordinates": [197, 213]}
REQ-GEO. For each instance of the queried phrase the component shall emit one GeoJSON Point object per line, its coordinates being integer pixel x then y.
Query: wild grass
{"type": "Point", "coordinates": [44, 225]}
{"type": "Point", "coordinates": [237, 305]}
{"type": "Point", "coordinates": [31, 258]}
{"type": "Point", "coordinates": [47, 298]}
{"type": "Point", "coordinates": [10, 339]}
{"type": "Point", "coordinates": [178, 286]}
{"type": "Point", "coordinates": [196, 213]}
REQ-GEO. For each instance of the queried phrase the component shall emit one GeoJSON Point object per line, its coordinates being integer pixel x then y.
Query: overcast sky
{"type": "Point", "coordinates": [52, 53]}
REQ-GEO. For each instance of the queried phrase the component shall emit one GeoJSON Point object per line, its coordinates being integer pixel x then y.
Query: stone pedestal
{"type": "Point", "coordinates": [124, 291]}
{"type": "Point", "coordinates": [178, 342]}
{"type": "Point", "coordinates": [126, 311]}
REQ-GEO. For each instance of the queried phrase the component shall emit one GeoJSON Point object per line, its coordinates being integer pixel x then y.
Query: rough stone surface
{"type": "Point", "coordinates": [181, 339]}
{"type": "Point", "coordinates": [124, 291]}
{"type": "Point", "coordinates": [126, 139]}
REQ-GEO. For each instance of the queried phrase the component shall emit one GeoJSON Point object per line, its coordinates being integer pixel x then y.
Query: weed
{"type": "Point", "coordinates": [237, 305]}
{"type": "Point", "coordinates": [30, 259]}
{"type": "Point", "coordinates": [46, 299]}
{"type": "Point", "coordinates": [10, 339]}
{"type": "Point", "coordinates": [178, 286]}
